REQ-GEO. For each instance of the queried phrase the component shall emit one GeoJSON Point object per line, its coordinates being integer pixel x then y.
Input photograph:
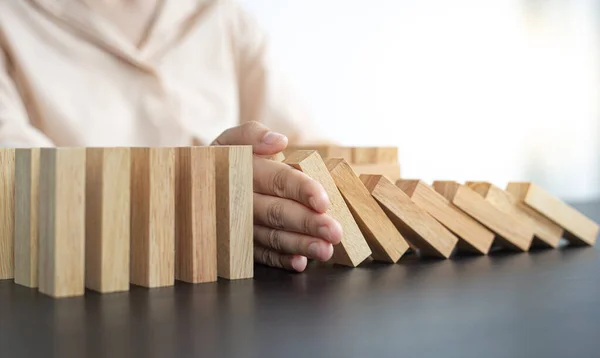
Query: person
{"type": "Point", "coordinates": [164, 73]}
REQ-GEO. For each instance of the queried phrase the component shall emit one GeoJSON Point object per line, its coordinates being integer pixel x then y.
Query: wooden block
{"type": "Point", "coordinates": [235, 217]}
{"type": "Point", "coordinates": [325, 151]}
{"type": "Point", "coordinates": [107, 219]}
{"type": "Point", "coordinates": [353, 248]}
{"type": "Point", "coordinates": [578, 228]}
{"type": "Point", "coordinates": [279, 157]}
{"type": "Point", "coordinates": [374, 155]}
{"type": "Point", "coordinates": [27, 178]}
{"type": "Point", "coordinates": [61, 219]}
{"type": "Point", "coordinates": [417, 226]}
{"type": "Point", "coordinates": [152, 256]}
{"type": "Point", "coordinates": [386, 243]}
{"type": "Point", "coordinates": [7, 218]}
{"type": "Point", "coordinates": [196, 215]}
{"type": "Point", "coordinates": [472, 235]}
{"type": "Point", "coordinates": [390, 171]}
{"type": "Point", "coordinates": [545, 231]}
{"type": "Point", "coordinates": [510, 232]}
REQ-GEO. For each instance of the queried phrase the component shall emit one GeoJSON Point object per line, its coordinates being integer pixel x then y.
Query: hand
{"type": "Point", "coordinates": [290, 220]}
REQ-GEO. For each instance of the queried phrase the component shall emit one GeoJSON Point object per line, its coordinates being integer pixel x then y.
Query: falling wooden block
{"type": "Point", "coordinates": [386, 243]}
{"type": "Point", "coordinates": [196, 215]}
{"type": "Point", "coordinates": [325, 151]}
{"type": "Point", "coordinates": [107, 219]}
{"type": "Point", "coordinates": [417, 226]}
{"type": "Point", "coordinates": [152, 255]}
{"type": "Point", "coordinates": [27, 178]}
{"type": "Point", "coordinates": [510, 232]}
{"type": "Point", "coordinates": [279, 157]}
{"type": "Point", "coordinates": [353, 248]}
{"type": "Point", "coordinates": [390, 171]}
{"type": "Point", "coordinates": [546, 233]}
{"type": "Point", "coordinates": [472, 235]}
{"type": "Point", "coordinates": [374, 155]}
{"type": "Point", "coordinates": [578, 228]}
{"type": "Point", "coordinates": [7, 218]}
{"type": "Point", "coordinates": [235, 218]}
{"type": "Point", "coordinates": [61, 220]}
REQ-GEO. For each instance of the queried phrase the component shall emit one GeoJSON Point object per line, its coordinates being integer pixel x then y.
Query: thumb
{"type": "Point", "coordinates": [262, 140]}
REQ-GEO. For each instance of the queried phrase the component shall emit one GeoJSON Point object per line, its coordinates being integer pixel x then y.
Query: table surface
{"type": "Point", "coordinates": [538, 304]}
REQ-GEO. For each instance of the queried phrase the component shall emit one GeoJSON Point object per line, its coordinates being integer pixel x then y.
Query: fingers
{"type": "Point", "coordinates": [286, 242]}
{"type": "Point", "coordinates": [271, 258]}
{"type": "Point", "coordinates": [262, 140]}
{"type": "Point", "coordinates": [278, 179]}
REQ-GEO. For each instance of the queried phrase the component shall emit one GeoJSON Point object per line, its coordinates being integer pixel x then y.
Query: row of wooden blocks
{"type": "Point", "coordinates": [105, 218]}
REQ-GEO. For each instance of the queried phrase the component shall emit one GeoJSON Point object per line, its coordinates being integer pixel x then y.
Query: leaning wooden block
{"type": "Point", "coordinates": [325, 151]}
{"type": "Point", "coordinates": [472, 235]}
{"type": "Point", "coordinates": [279, 157]}
{"type": "Point", "coordinates": [152, 255]}
{"type": "Point", "coordinates": [546, 232]}
{"type": "Point", "coordinates": [107, 219]}
{"type": "Point", "coordinates": [62, 222]}
{"type": "Point", "coordinates": [353, 249]}
{"type": "Point", "coordinates": [510, 232]}
{"type": "Point", "coordinates": [7, 204]}
{"type": "Point", "coordinates": [374, 155]}
{"type": "Point", "coordinates": [382, 236]}
{"type": "Point", "coordinates": [578, 229]}
{"type": "Point", "coordinates": [390, 171]}
{"type": "Point", "coordinates": [27, 171]}
{"type": "Point", "coordinates": [235, 223]}
{"type": "Point", "coordinates": [431, 237]}
{"type": "Point", "coordinates": [196, 215]}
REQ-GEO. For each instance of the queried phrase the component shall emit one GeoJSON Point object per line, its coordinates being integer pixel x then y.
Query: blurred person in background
{"type": "Point", "coordinates": [164, 73]}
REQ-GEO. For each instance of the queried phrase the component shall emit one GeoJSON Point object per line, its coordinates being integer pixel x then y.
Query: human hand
{"type": "Point", "coordinates": [290, 220]}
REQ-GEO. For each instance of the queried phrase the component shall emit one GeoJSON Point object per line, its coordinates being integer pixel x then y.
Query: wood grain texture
{"type": "Point", "coordinates": [107, 254]}
{"type": "Point", "coordinates": [152, 255]}
{"type": "Point", "coordinates": [385, 241]}
{"type": "Point", "coordinates": [374, 155]}
{"type": "Point", "coordinates": [546, 233]}
{"type": "Point", "coordinates": [472, 235]}
{"type": "Point", "coordinates": [325, 151]}
{"type": "Point", "coordinates": [196, 215]}
{"type": "Point", "coordinates": [7, 218]}
{"type": "Point", "coordinates": [62, 222]}
{"type": "Point", "coordinates": [509, 232]}
{"type": "Point", "coordinates": [27, 171]}
{"type": "Point", "coordinates": [390, 171]}
{"type": "Point", "coordinates": [353, 248]}
{"type": "Point", "coordinates": [578, 228]}
{"type": "Point", "coordinates": [416, 225]}
{"type": "Point", "coordinates": [235, 219]}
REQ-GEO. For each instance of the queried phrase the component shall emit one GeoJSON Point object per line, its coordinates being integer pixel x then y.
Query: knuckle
{"type": "Point", "coordinates": [250, 128]}
{"type": "Point", "coordinates": [275, 214]}
{"type": "Point", "coordinates": [306, 224]}
{"type": "Point", "coordinates": [278, 181]}
{"type": "Point", "coordinates": [274, 240]}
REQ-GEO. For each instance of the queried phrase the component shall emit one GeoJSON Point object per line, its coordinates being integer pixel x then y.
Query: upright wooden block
{"type": "Point", "coordinates": [235, 218]}
{"type": "Point", "coordinates": [386, 243]}
{"type": "Point", "coordinates": [152, 258]}
{"type": "Point", "coordinates": [196, 215]}
{"type": "Point", "coordinates": [108, 210]}
{"type": "Point", "coordinates": [472, 235]}
{"type": "Point", "coordinates": [353, 248]}
{"type": "Point", "coordinates": [375, 155]}
{"type": "Point", "coordinates": [431, 237]}
{"type": "Point", "coordinates": [545, 231]}
{"type": "Point", "coordinates": [578, 228]}
{"type": "Point", "coordinates": [325, 151]}
{"type": "Point", "coordinates": [510, 232]}
{"type": "Point", "coordinates": [7, 218]}
{"type": "Point", "coordinates": [62, 222]}
{"type": "Point", "coordinates": [390, 171]}
{"type": "Point", "coordinates": [27, 178]}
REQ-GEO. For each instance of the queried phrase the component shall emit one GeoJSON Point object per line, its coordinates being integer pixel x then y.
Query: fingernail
{"type": "Point", "coordinates": [313, 250]}
{"type": "Point", "coordinates": [299, 263]}
{"type": "Point", "coordinates": [324, 232]}
{"type": "Point", "coordinates": [273, 138]}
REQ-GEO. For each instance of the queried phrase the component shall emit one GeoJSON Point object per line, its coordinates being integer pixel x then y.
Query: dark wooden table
{"type": "Point", "coordinates": [538, 304]}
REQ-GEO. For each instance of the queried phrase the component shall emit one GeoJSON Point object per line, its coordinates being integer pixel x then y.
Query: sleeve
{"type": "Point", "coordinates": [265, 93]}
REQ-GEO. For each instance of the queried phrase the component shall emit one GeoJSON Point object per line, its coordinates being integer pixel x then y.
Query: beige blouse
{"type": "Point", "coordinates": [70, 77]}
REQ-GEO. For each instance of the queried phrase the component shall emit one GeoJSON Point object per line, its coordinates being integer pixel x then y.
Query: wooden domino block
{"type": "Point", "coordinates": [472, 235]}
{"type": "Point", "coordinates": [196, 215]}
{"type": "Point", "coordinates": [61, 220]}
{"type": "Point", "coordinates": [7, 204]}
{"type": "Point", "coordinates": [107, 219]}
{"type": "Point", "coordinates": [386, 243]}
{"type": "Point", "coordinates": [279, 157]}
{"type": "Point", "coordinates": [545, 231]}
{"type": "Point", "coordinates": [578, 228]}
{"type": "Point", "coordinates": [390, 171]}
{"type": "Point", "coordinates": [374, 155]}
{"type": "Point", "coordinates": [27, 176]}
{"type": "Point", "coordinates": [152, 253]}
{"type": "Point", "coordinates": [353, 249]}
{"type": "Point", "coordinates": [325, 151]}
{"type": "Point", "coordinates": [510, 232]}
{"type": "Point", "coordinates": [417, 226]}
{"type": "Point", "coordinates": [235, 219]}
